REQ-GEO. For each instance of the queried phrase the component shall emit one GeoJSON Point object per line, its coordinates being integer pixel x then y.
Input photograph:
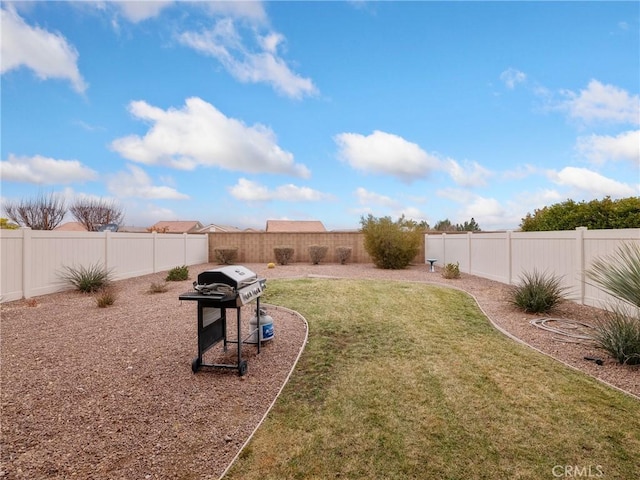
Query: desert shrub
{"type": "Point", "coordinates": [317, 253]}
{"type": "Point", "coordinates": [343, 254]}
{"type": "Point", "coordinates": [87, 279]}
{"type": "Point", "coordinates": [158, 287]}
{"type": "Point", "coordinates": [618, 274]}
{"type": "Point", "coordinates": [177, 274]}
{"type": "Point", "coordinates": [537, 292]}
{"type": "Point", "coordinates": [105, 297]}
{"type": "Point", "coordinates": [618, 333]}
{"type": "Point", "coordinates": [451, 270]}
{"type": "Point", "coordinates": [391, 245]}
{"type": "Point", "coordinates": [226, 255]}
{"type": "Point", "coordinates": [283, 254]}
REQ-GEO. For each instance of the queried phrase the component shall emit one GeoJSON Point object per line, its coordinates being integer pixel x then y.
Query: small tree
{"type": "Point", "coordinates": [45, 212]}
{"type": "Point", "coordinates": [444, 226]}
{"type": "Point", "coordinates": [471, 226]}
{"type": "Point", "coordinates": [391, 245]}
{"type": "Point", "coordinates": [94, 212]}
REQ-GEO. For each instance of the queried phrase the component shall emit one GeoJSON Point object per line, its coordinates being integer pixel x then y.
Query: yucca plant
{"type": "Point", "coordinates": [537, 292]}
{"type": "Point", "coordinates": [87, 279]}
{"type": "Point", "coordinates": [618, 274]}
{"type": "Point", "coordinates": [618, 333]}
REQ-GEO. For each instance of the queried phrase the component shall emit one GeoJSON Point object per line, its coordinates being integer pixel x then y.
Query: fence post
{"type": "Point", "coordinates": [154, 236]}
{"type": "Point", "coordinates": [185, 246]}
{"type": "Point", "coordinates": [469, 241]}
{"type": "Point", "coordinates": [26, 262]}
{"type": "Point", "coordinates": [426, 241]}
{"type": "Point", "coordinates": [444, 248]}
{"type": "Point", "coordinates": [509, 258]}
{"type": "Point", "coordinates": [108, 239]}
{"type": "Point", "coordinates": [580, 262]}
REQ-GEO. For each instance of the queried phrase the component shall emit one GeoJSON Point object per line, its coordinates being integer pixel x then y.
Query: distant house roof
{"type": "Point", "coordinates": [295, 226]}
{"type": "Point", "coordinates": [213, 227]}
{"type": "Point", "coordinates": [132, 229]}
{"type": "Point", "coordinates": [71, 227]}
{"type": "Point", "coordinates": [189, 226]}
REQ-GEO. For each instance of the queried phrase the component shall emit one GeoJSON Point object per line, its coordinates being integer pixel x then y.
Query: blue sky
{"type": "Point", "coordinates": [239, 112]}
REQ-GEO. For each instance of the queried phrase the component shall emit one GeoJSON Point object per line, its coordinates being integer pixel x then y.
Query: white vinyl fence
{"type": "Point", "coordinates": [506, 256]}
{"type": "Point", "coordinates": [32, 260]}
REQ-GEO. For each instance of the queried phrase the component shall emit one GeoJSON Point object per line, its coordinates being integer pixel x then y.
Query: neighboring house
{"type": "Point", "coordinates": [132, 229]}
{"type": "Point", "coordinates": [212, 227]}
{"type": "Point", "coordinates": [190, 226]}
{"type": "Point", "coordinates": [71, 227]}
{"type": "Point", "coordinates": [295, 226]}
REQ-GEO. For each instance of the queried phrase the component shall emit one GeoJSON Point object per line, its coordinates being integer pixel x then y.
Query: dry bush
{"type": "Point", "coordinates": [343, 254]}
{"type": "Point", "coordinates": [283, 254]}
{"type": "Point", "coordinates": [158, 287]}
{"type": "Point", "coordinates": [317, 253]}
{"type": "Point", "coordinates": [226, 255]}
{"type": "Point", "coordinates": [106, 297]}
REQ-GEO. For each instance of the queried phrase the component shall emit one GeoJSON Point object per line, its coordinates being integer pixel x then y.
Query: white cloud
{"type": "Point", "coordinates": [470, 174]}
{"type": "Point", "coordinates": [224, 43]}
{"type": "Point", "coordinates": [520, 172]}
{"type": "Point", "coordinates": [385, 153]}
{"type": "Point", "coordinates": [48, 54]}
{"type": "Point", "coordinates": [137, 11]}
{"type": "Point", "coordinates": [367, 198]}
{"type": "Point", "coordinates": [44, 170]}
{"type": "Point", "coordinates": [602, 103]}
{"type": "Point", "coordinates": [136, 183]}
{"type": "Point", "coordinates": [252, 11]}
{"type": "Point", "coordinates": [250, 191]}
{"type": "Point", "coordinates": [602, 148]}
{"type": "Point", "coordinates": [591, 183]}
{"type": "Point", "coordinates": [511, 77]}
{"type": "Point", "coordinates": [200, 135]}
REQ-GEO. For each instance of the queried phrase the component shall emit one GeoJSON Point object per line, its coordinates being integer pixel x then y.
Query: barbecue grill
{"type": "Point", "coordinates": [217, 290]}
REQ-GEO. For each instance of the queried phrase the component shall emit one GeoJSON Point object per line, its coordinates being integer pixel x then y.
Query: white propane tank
{"type": "Point", "coordinates": [266, 326]}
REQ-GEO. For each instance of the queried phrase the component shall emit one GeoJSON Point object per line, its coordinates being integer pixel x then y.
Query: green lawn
{"type": "Point", "coordinates": [403, 380]}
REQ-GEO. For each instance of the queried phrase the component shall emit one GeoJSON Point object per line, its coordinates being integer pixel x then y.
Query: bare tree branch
{"type": "Point", "coordinates": [92, 213]}
{"type": "Point", "coordinates": [45, 212]}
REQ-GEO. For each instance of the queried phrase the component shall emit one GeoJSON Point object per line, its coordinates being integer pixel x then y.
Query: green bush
{"type": "Point", "coordinates": [283, 254]}
{"type": "Point", "coordinates": [537, 292]}
{"type": "Point", "coordinates": [226, 255]}
{"type": "Point", "coordinates": [343, 254]}
{"type": "Point", "coordinates": [391, 245]}
{"type": "Point", "coordinates": [87, 279]}
{"type": "Point", "coordinates": [317, 253]}
{"type": "Point", "coordinates": [177, 274]}
{"type": "Point", "coordinates": [451, 270]}
{"type": "Point", "coordinates": [618, 333]}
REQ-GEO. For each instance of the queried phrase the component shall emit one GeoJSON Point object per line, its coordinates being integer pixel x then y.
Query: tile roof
{"type": "Point", "coordinates": [295, 226]}
{"type": "Point", "coordinates": [71, 227]}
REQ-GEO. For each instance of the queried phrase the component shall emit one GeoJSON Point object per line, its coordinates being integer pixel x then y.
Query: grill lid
{"type": "Point", "coordinates": [235, 276]}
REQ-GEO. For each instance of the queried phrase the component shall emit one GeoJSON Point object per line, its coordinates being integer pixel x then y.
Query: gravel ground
{"type": "Point", "coordinates": [108, 393]}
